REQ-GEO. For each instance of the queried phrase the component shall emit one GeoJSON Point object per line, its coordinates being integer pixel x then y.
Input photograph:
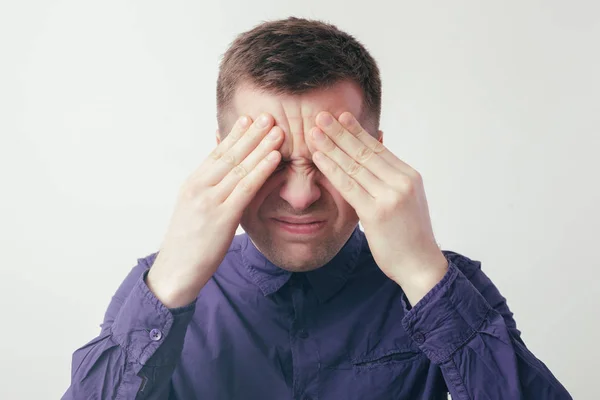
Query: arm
{"type": "Point", "coordinates": [141, 339]}
{"type": "Point", "coordinates": [464, 325]}
{"type": "Point", "coordinates": [137, 349]}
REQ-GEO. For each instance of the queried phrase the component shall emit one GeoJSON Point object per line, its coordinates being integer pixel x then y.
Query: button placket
{"type": "Point", "coordinates": [302, 334]}
{"type": "Point", "coordinates": [304, 354]}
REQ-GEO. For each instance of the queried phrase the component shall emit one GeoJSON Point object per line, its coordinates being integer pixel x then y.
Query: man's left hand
{"type": "Point", "coordinates": [389, 199]}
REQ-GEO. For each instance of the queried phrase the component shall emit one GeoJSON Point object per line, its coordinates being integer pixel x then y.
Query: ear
{"type": "Point", "coordinates": [218, 137]}
{"type": "Point", "coordinates": [380, 138]}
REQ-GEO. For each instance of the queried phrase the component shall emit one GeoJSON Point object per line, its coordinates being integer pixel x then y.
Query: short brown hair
{"type": "Point", "coordinates": [294, 56]}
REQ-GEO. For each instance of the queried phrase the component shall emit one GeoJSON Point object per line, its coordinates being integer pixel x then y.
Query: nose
{"type": "Point", "coordinates": [299, 190]}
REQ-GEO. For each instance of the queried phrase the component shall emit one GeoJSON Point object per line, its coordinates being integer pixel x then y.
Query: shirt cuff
{"type": "Point", "coordinates": [447, 317]}
{"type": "Point", "coordinates": [145, 328]}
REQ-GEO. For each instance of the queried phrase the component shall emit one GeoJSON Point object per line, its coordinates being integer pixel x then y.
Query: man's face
{"type": "Point", "coordinates": [297, 189]}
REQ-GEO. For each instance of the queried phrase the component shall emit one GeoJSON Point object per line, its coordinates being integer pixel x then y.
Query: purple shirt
{"type": "Point", "coordinates": [343, 331]}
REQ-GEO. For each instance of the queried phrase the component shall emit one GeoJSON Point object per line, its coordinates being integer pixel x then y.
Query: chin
{"type": "Point", "coordinates": [297, 265]}
{"type": "Point", "coordinates": [300, 257]}
{"type": "Point", "coordinates": [298, 254]}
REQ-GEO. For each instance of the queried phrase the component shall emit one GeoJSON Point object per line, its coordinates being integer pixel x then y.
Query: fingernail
{"type": "Point", "coordinates": [326, 119]}
{"type": "Point", "coordinates": [262, 121]}
{"type": "Point", "coordinates": [347, 119]}
{"type": "Point", "coordinates": [318, 135]}
{"type": "Point", "coordinates": [273, 135]}
{"type": "Point", "coordinates": [243, 121]}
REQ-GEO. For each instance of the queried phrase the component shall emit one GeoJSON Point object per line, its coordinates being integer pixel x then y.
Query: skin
{"type": "Point", "coordinates": [298, 188]}
{"type": "Point", "coordinates": [333, 169]}
{"type": "Point", "coordinates": [338, 170]}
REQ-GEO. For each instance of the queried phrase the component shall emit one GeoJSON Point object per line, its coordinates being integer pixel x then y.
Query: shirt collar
{"type": "Point", "coordinates": [326, 280]}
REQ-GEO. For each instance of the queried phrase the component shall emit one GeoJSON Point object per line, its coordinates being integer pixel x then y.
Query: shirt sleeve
{"type": "Point", "coordinates": [138, 347]}
{"type": "Point", "coordinates": [465, 326]}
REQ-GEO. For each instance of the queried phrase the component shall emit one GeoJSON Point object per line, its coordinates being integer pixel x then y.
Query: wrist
{"type": "Point", "coordinates": [418, 278]}
{"type": "Point", "coordinates": [171, 291]}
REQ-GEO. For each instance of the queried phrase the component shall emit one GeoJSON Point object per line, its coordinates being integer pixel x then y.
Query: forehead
{"type": "Point", "coordinates": [295, 114]}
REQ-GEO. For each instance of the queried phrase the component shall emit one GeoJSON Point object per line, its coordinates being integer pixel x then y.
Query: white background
{"type": "Point", "coordinates": [106, 107]}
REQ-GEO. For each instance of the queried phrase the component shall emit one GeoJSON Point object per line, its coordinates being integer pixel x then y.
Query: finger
{"type": "Point", "coordinates": [352, 192]}
{"type": "Point", "coordinates": [239, 128]}
{"type": "Point", "coordinates": [271, 142]}
{"type": "Point", "coordinates": [351, 167]}
{"type": "Point", "coordinates": [246, 189]}
{"type": "Point", "coordinates": [224, 161]}
{"type": "Point", "coordinates": [365, 153]}
{"type": "Point", "coordinates": [351, 124]}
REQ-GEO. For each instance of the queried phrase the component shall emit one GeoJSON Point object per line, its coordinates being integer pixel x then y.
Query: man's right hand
{"type": "Point", "coordinates": [209, 209]}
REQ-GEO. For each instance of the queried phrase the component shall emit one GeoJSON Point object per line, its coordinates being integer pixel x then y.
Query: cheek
{"type": "Point", "coordinates": [344, 208]}
{"type": "Point", "coordinates": [331, 190]}
{"type": "Point", "coordinates": [268, 190]}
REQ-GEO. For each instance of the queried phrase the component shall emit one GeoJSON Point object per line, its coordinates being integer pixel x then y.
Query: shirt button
{"type": "Point", "coordinates": [303, 335]}
{"type": "Point", "coordinates": [419, 338]}
{"type": "Point", "coordinates": [155, 335]}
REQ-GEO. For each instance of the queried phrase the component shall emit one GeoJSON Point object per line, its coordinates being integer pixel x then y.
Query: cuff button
{"type": "Point", "coordinates": [419, 338]}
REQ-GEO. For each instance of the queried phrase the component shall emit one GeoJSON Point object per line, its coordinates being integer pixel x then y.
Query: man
{"type": "Point", "coordinates": [305, 305]}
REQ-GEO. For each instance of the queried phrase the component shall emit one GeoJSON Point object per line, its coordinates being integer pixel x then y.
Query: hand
{"type": "Point", "coordinates": [209, 209]}
{"type": "Point", "coordinates": [389, 199]}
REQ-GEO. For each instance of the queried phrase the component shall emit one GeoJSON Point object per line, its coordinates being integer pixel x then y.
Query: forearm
{"type": "Point", "coordinates": [464, 326]}
{"type": "Point", "coordinates": [495, 364]}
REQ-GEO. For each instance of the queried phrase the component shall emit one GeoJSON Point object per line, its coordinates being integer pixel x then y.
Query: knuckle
{"type": "Point", "coordinates": [353, 169]}
{"type": "Point", "coordinates": [405, 182]}
{"type": "Point", "coordinates": [416, 177]}
{"type": "Point", "coordinates": [228, 159]}
{"type": "Point", "coordinates": [378, 148]}
{"type": "Point", "coordinates": [186, 193]}
{"type": "Point", "coordinates": [329, 146]}
{"type": "Point", "coordinates": [381, 214]}
{"type": "Point", "coordinates": [337, 132]}
{"type": "Point", "coordinates": [240, 171]}
{"type": "Point", "coordinates": [361, 134]}
{"type": "Point", "coordinates": [235, 135]}
{"type": "Point", "coordinates": [189, 191]}
{"type": "Point", "coordinates": [395, 199]}
{"type": "Point", "coordinates": [204, 204]}
{"type": "Point", "coordinates": [378, 214]}
{"type": "Point", "coordinates": [245, 186]}
{"type": "Point", "coordinates": [330, 167]}
{"type": "Point", "coordinates": [385, 206]}
{"type": "Point", "coordinates": [348, 185]}
{"type": "Point", "coordinates": [216, 154]}
{"type": "Point", "coordinates": [207, 199]}
{"type": "Point", "coordinates": [409, 187]}
{"type": "Point", "coordinates": [364, 154]}
{"type": "Point", "coordinates": [251, 134]}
